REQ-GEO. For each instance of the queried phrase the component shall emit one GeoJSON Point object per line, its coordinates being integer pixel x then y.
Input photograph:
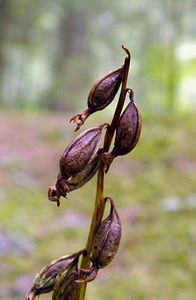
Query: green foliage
{"type": "Point", "coordinates": [162, 71]}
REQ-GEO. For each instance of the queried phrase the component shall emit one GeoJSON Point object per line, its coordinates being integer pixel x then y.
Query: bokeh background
{"type": "Point", "coordinates": [51, 53]}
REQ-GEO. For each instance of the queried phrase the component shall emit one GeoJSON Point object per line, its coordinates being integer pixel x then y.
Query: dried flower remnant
{"type": "Point", "coordinates": [65, 287]}
{"type": "Point", "coordinates": [127, 132]}
{"type": "Point", "coordinates": [105, 245]}
{"type": "Point", "coordinates": [101, 94]}
{"type": "Point", "coordinates": [45, 280]}
{"type": "Point", "coordinates": [75, 159]}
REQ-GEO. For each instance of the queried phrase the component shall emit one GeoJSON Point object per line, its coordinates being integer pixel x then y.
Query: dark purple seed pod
{"type": "Point", "coordinates": [45, 280]}
{"type": "Point", "coordinates": [65, 284]}
{"type": "Point", "coordinates": [81, 151]}
{"type": "Point", "coordinates": [128, 129]}
{"type": "Point", "coordinates": [77, 181]}
{"type": "Point", "coordinates": [78, 163]}
{"type": "Point", "coordinates": [107, 238]}
{"type": "Point", "coordinates": [104, 90]}
{"type": "Point", "coordinates": [105, 245]}
{"type": "Point", "coordinates": [127, 132]}
{"type": "Point", "coordinates": [101, 95]}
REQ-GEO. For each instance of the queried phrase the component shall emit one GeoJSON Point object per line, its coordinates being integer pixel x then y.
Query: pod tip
{"type": "Point", "coordinates": [126, 50]}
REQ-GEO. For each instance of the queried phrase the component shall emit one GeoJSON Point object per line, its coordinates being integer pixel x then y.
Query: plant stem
{"type": "Point", "coordinates": [99, 200]}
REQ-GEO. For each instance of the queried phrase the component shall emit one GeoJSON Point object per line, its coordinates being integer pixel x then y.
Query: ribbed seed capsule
{"type": "Point", "coordinates": [127, 132]}
{"type": "Point", "coordinates": [65, 286]}
{"type": "Point", "coordinates": [74, 182]}
{"type": "Point", "coordinates": [45, 280]}
{"type": "Point", "coordinates": [104, 90]}
{"type": "Point", "coordinates": [77, 181]}
{"type": "Point", "coordinates": [101, 95]}
{"type": "Point", "coordinates": [75, 159]}
{"type": "Point", "coordinates": [128, 129]}
{"type": "Point", "coordinates": [81, 151]}
{"type": "Point", "coordinates": [105, 245]}
{"type": "Point", "coordinates": [107, 238]}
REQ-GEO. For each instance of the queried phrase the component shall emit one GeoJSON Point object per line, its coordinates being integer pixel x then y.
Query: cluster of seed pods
{"type": "Point", "coordinates": [77, 165]}
{"type": "Point", "coordinates": [81, 158]}
{"type": "Point", "coordinates": [46, 279]}
{"type": "Point", "coordinates": [62, 276]}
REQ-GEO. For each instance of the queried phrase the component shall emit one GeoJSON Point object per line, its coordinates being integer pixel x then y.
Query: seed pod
{"type": "Point", "coordinates": [105, 245]}
{"type": "Point", "coordinates": [104, 90]}
{"type": "Point", "coordinates": [107, 238]}
{"type": "Point", "coordinates": [128, 129]}
{"type": "Point", "coordinates": [101, 95]}
{"type": "Point", "coordinates": [75, 159]}
{"type": "Point", "coordinates": [45, 280]}
{"type": "Point", "coordinates": [127, 132]}
{"type": "Point", "coordinates": [74, 182]}
{"type": "Point", "coordinates": [77, 181]}
{"type": "Point", "coordinates": [81, 151]}
{"type": "Point", "coordinates": [65, 285]}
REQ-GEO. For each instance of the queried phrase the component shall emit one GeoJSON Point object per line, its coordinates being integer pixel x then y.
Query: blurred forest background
{"type": "Point", "coordinates": [51, 53]}
{"type": "Point", "coordinates": [47, 47]}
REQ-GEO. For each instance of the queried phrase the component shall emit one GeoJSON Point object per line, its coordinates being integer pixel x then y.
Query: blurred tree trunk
{"type": "Point", "coordinates": [71, 42]}
{"type": "Point", "coordinates": [72, 30]}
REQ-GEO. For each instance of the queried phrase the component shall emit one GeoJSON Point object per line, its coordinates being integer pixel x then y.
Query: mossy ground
{"type": "Point", "coordinates": [155, 192]}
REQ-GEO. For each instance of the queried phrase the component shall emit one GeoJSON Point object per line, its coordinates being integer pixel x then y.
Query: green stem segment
{"type": "Point", "coordinates": [99, 201]}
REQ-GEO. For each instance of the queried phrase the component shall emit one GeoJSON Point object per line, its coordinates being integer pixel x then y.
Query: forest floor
{"type": "Point", "coordinates": [154, 188]}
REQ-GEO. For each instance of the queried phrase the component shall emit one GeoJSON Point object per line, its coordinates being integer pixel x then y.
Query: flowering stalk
{"type": "Point", "coordinates": [99, 200]}
{"type": "Point", "coordinates": [81, 159]}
